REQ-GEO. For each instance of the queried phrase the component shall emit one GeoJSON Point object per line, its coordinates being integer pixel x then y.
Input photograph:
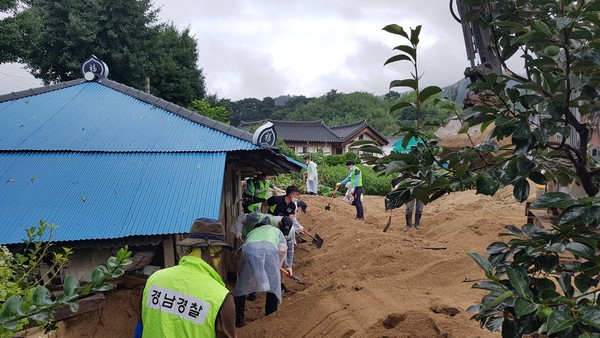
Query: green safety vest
{"type": "Point", "coordinates": [265, 233]}
{"type": "Point", "coordinates": [252, 207]}
{"type": "Point", "coordinates": [249, 190]}
{"type": "Point", "coordinates": [263, 187]}
{"type": "Point", "coordinates": [183, 301]}
{"type": "Point", "coordinates": [353, 176]}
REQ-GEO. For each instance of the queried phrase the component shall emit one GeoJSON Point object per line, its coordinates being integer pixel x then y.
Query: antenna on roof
{"type": "Point", "coordinates": [93, 68]}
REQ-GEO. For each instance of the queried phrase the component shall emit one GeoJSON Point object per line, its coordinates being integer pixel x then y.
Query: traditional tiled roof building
{"type": "Point", "coordinates": [311, 136]}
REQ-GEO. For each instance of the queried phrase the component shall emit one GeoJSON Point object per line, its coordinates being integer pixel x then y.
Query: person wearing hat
{"type": "Point", "coordinates": [190, 299]}
{"type": "Point", "coordinates": [355, 178]}
{"type": "Point", "coordinates": [262, 256]}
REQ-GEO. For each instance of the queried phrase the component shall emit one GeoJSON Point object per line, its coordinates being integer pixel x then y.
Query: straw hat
{"type": "Point", "coordinates": [205, 232]}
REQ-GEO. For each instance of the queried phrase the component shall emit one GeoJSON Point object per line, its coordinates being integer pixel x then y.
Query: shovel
{"type": "Point", "coordinates": [317, 240]}
{"type": "Point", "coordinates": [389, 222]}
{"type": "Point", "coordinates": [328, 206]}
{"type": "Point", "coordinates": [296, 279]}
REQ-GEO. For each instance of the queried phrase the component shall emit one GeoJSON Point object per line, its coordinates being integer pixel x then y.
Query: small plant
{"type": "Point", "coordinates": [24, 296]}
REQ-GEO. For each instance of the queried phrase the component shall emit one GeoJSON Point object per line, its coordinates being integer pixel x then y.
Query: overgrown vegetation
{"type": "Point", "coordinates": [24, 295]}
{"type": "Point", "coordinates": [332, 169]}
{"type": "Point", "coordinates": [543, 280]}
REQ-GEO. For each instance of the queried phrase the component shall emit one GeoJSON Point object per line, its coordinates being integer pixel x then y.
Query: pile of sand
{"type": "Point", "coordinates": [367, 283]}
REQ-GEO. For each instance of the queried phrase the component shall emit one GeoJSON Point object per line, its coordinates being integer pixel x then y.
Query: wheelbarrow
{"type": "Point", "coordinates": [328, 206]}
{"type": "Point", "coordinates": [295, 278]}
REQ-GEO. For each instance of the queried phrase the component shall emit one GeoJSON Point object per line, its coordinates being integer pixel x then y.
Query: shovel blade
{"type": "Point", "coordinates": [317, 241]}
{"type": "Point", "coordinates": [387, 226]}
{"type": "Point", "coordinates": [297, 279]}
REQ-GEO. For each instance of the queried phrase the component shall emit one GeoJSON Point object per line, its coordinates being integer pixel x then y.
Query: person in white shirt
{"type": "Point", "coordinates": [312, 179]}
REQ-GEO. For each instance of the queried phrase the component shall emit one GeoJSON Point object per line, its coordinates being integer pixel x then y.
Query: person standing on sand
{"type": "Point", "coordinates": [410, 206]}
{"type": "Point", "coordinates": [355, 178]}
{"type": "Point", "coordinates": [312, 179]}
{"type": "Point", "coordinates": [190, 299]}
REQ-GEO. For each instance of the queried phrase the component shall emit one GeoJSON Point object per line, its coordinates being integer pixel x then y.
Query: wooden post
{"type": "Point", "coordinates": [169, 251]}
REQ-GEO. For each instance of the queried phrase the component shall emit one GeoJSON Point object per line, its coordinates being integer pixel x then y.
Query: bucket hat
{"type": "Point", "coordinates": [205, 232]}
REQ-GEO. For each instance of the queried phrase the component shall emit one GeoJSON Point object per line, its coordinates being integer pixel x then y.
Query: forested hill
{"type": "Point", "coordinates": [340, 108]}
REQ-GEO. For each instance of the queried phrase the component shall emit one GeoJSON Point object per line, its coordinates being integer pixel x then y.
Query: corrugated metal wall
{"type": "Point", "coordinates": [108, 195]}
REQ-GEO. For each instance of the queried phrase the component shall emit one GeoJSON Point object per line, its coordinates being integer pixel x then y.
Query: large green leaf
{"type": "Point", "coordinates": [410, 83]}
{"type": "Point", "coordinates": [524, 307]}
{"type": "Point", "coordinates": [408, 50]}
{"type": "Point", "coordinates": [483, 263]}
{"type": "Point", "coordinates": [395, 29]}
{"type": "Point", "coordinates": [590, 316]}
{"type": "Point", "coordinates": [521, 190]}
{"type": "Point", "coordinates": [414, 35]}
{"type": "Point", "coordinates": [399, 57]}
{"type": "Point", "coordinates": [496, 247]}
{"type": "Point", "coordinates": [400, 105]}
{"type": "Point", "coordinates": [41, 296]}
{"type": "Point", "coordinates": [554, 200]}
{"type": "Point", "coordinates": [559, 320]}
{"type": "Point", "coordinates": [584, 282]}
{"type": "Point", "coordinates": [565, 284]}
{"type": "Point", "coordinates": [581, 250]}
{"type": "Point", "coordinates": [519, 280]}
{"type": "Point", "coordinates": [497, 301]}
{"type": "Point", "coordinates": [70, 286]}
{"type": "Point", "coordinates": [428, 92]}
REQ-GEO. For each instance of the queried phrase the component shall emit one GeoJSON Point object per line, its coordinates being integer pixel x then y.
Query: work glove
{"type": "Point", "coordinates": [337, 184]}
{"type": "Point", "coordinates": [290, 273]}
{"type": "Point", "coordinates": [352, 191]}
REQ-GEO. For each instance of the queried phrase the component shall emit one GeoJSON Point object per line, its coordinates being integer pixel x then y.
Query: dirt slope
{"type": "Point", "coordinates": [364, 282]}
{"type": "Point", "coordinates": [367, 283]}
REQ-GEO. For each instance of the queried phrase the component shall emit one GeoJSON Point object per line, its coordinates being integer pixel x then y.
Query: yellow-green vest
{"type": "Point", "coordinates": [261, 189]}
{"type": "Point", "coordinates": [265, 233]}
{"type": "Point", "coordinates": [183, 301]}
{"type": "Point", "coordinates": [353, 177]}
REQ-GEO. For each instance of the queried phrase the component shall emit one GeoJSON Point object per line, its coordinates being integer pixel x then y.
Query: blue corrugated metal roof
{"type": "Point", "coordinates": [301, 165]}
{"type": "Point", "coordinates": [91, 116]}
{"type": "Point", "coordinates": [107, 195]}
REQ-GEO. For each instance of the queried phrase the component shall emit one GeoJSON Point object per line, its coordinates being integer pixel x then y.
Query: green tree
{"type": "Point", "coordinates": [118, 32]}
{"type": "Point", "coordinates": [54, 38]}
{"type": "Point", "coordinates": [204, 108]}
{"type": "Point", "coordinates": [17, 30]}
{"type": "Point", "coordinates": [175, 75]}
{"type": "Point", "coordinates": [542, 280]}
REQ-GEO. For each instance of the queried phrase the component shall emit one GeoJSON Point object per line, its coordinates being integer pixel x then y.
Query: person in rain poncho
{"type": "Point", "coordinates": [262, 256]}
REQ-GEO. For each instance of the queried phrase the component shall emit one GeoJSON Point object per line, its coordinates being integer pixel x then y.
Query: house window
{"type": "Point", "coordinates": [293, 149]}
{"type": "Point", "coordinates": [305, 150]}
{"type": "Point", "coordinates": [360, 137]}
{"type": "Point", "coordinates": [338, 151]}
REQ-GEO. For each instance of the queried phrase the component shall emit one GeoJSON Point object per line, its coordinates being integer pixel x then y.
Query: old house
{"type": "Point", "coordinates": [312, 136]}
{"type": "Point", "coordinates": [110, 165]}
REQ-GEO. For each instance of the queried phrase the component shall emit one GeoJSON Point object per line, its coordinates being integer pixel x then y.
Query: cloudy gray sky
{"type": "Point", "coordinates": [260, 48]}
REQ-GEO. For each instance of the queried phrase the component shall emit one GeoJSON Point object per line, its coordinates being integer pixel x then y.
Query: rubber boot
{"type": "Point", "coordinates": [418, 220]}
{"type": "Point", "coordinates": [408, 222]}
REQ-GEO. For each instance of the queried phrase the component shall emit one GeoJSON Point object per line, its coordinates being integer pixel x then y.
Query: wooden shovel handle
{"type": "Point", "coordinates": [285, 272]}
